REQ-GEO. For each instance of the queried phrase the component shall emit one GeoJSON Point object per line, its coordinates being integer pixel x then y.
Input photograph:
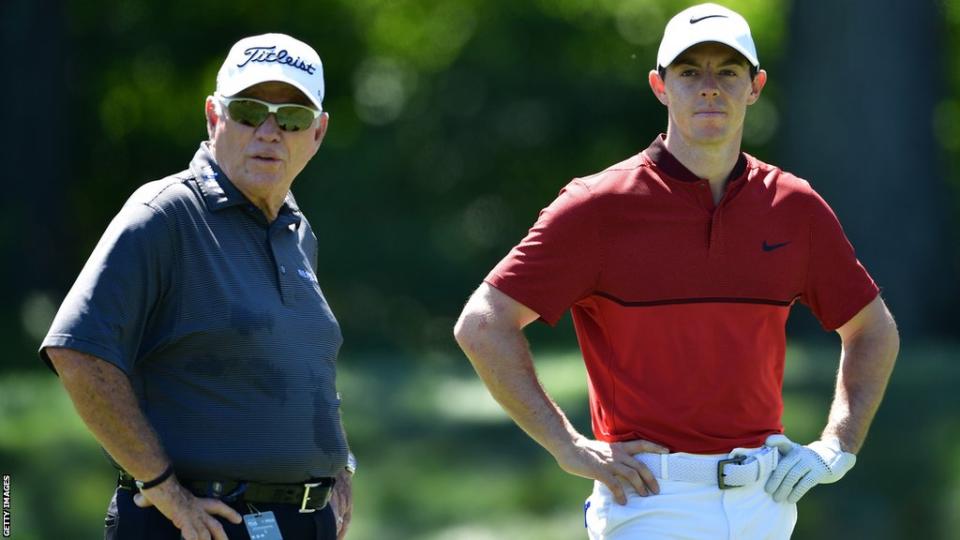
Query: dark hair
{"type": "Point", "coordinates": [753, 71]}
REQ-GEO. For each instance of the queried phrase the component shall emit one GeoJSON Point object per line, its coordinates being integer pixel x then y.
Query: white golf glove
{"type": "Point", "coordinates": [802, 467]}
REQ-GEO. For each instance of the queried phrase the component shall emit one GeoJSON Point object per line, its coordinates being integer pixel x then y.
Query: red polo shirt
{"type": "Point", "coordinates": [679, 304]}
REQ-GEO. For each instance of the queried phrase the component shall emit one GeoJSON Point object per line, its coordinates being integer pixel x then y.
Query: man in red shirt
{"type": "Point", "coordinates": [680, 265]}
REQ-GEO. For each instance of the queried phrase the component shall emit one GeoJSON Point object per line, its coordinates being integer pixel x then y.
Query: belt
{"type": "Point", "coordinates": [309, 496]}
{"type": "Point", "coordinates": [738, 469]}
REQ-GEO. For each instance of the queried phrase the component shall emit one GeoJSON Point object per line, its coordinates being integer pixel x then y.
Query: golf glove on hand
{"type": "Point", "coordinates": [802, 467]}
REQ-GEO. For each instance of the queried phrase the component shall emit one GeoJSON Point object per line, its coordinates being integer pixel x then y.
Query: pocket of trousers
{"type": "Point", "coordinates": [596, 511]}
{"type": "Point", "coordinates": [110, 521]}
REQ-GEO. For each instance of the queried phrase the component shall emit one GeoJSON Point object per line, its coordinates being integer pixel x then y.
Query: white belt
{"type": "Point", "coordinates": [740, 468]}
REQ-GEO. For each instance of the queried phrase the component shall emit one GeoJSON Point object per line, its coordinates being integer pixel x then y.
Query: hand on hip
{"type": "Point", "coordinates": [613, 464]}
{"type": "Point", "coordinates": [802, 467]}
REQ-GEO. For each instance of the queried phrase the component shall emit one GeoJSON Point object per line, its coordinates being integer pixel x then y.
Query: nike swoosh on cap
{"type": "Point", "coordinates": [695, 20]}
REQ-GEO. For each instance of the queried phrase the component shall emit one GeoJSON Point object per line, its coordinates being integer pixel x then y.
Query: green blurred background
{"type": "Point", "coordinates": [452, 123]}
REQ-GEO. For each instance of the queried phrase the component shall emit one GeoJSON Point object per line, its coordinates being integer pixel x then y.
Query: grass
{"type": "Point", "coordinates": [440, 461]}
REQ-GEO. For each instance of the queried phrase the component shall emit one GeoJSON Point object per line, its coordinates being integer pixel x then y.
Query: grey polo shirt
{"type": "Point", "coordinates": [217, 318]}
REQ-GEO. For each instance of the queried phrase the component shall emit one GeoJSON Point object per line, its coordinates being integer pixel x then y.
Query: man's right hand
{"type": "Point", "coordinates": [104, 398]}
{"type": "Point", "coordinates": [490, 332]}
{"type": "Point", "coordinates": [192, 515]}
{"type": "Point", "coordinates": [613, 464]}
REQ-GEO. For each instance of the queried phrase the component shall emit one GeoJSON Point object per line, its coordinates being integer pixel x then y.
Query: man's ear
{"type": "Point", "coordinates": [658, 86]}
{"type": "Point", "coordinates": [211, 111]}
{"type": "Point", "coordinates": [756, 86]}
{"type": "Point", "coordinates": [322, 126]}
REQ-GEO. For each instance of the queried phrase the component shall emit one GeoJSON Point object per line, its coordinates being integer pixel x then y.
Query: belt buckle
{"type": "Point", "coordinates": [306, 498]}
{"type": "Point", "coordinates": [720, 474]}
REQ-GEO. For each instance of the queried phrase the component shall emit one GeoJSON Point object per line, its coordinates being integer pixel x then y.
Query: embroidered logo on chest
{"type": "Point", "coordinates": [307, 275]}
{"type": "Point", "coordinates": [771, 247]}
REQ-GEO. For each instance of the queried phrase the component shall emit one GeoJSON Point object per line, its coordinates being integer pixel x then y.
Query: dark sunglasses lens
{"type": "Point", "coordinates": [294, 118]}
{"type": "Point", "coordinates": [246, 112]}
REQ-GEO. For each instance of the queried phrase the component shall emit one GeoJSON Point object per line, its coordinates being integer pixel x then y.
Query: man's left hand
{"type": "Point", "coordinates": [341, 502]}
{"type": "Point", "coordinates": [802, 467]}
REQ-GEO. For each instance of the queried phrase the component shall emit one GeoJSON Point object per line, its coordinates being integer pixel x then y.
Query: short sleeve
{"type": "Point", "coordinates": [837, 285]}
{"type": "Point", "coordinates": [108, 307]}
{"type": "Point", "coordinates": [559, 261]}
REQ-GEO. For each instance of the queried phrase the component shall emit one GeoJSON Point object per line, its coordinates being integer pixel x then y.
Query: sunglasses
{"type": "Point", "coordinates": [253, 112]}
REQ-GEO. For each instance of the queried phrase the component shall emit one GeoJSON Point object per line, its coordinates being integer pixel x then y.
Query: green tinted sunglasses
{"type": "Point", "coordinates": [253, 112]}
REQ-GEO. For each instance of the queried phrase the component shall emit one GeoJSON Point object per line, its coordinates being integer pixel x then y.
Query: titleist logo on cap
{"type": "Point", "coordinates": [269, 54]}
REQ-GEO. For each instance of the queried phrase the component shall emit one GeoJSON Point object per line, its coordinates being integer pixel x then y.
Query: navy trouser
{"type": "Point", "coordinates": [127, 521]}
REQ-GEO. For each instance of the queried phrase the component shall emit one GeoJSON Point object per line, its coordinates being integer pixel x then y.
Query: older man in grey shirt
{"type": "Point", "coordinates": [196, 343]}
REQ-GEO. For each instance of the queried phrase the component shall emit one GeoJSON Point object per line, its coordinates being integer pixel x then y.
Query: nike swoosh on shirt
{"type": "Point", "coordinates": [695, 20]}
{"type": "Point", "coordinates": [771, 247]}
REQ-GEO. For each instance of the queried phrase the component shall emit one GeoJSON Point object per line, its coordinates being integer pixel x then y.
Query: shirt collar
{"type": "Point", "coordinates": [658, 154]}
{"type": "Point", "coordinates": [219, 192]}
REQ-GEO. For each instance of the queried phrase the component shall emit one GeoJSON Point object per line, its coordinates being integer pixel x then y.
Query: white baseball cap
{"type": "Point", "coordinates": [702, 23]}
{"type": "Point", "coordinates": [272, 57]}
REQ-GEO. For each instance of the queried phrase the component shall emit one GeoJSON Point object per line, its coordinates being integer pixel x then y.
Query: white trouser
{"type": "Point", "coordinates": [691, 505]}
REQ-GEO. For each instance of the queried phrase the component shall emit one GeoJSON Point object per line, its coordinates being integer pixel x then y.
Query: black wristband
{"type": "Point", "coordinates": [156, 481]}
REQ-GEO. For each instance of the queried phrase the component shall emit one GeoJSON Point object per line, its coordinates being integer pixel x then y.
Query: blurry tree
{"type": "Point", "coordinates": [864, 85]}
{"type": "Point", "coordinates": [33, 218]}
{"type": "Point", "coordinates": [946, 119]}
